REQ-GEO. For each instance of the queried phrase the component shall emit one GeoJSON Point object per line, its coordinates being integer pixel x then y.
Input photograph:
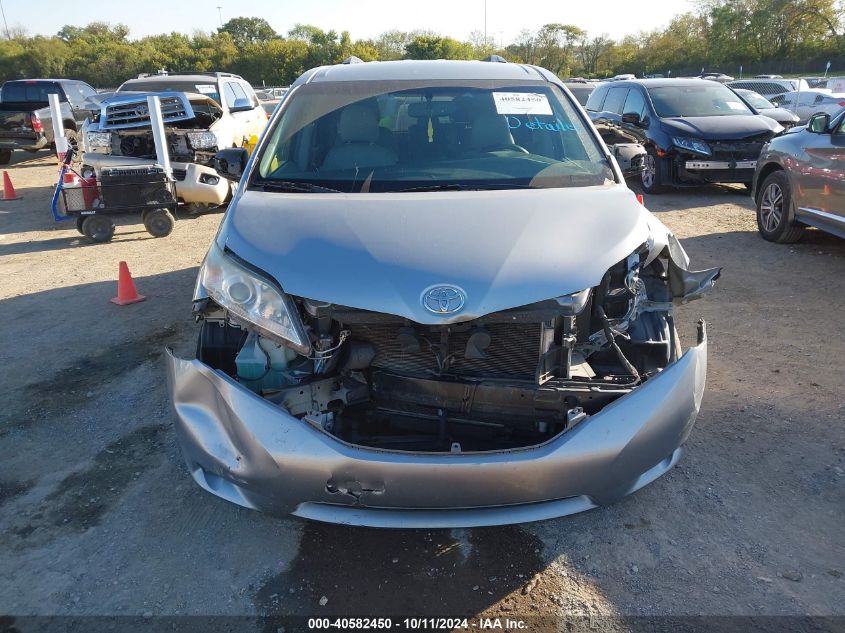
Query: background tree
{"type": "Point", "coordinates": [556, 45]}
{"type": "Point", "coordinates": [437, 47]}
{"type": "Point", "coordinates": [245, 31]}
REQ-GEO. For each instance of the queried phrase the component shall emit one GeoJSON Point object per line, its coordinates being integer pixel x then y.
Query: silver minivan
{"type": "Point", "coordinates": [434, 302]}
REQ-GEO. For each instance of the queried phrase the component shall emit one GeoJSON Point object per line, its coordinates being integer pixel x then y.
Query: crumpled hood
{"type": "Point", "coordinates": [728, 127]}
{"type": "Point", "coordinates": [380, 252]}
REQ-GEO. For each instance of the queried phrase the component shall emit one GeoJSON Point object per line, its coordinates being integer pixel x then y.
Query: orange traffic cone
{"type": "Point", "coordinates": [126, 292]}
{"type": "Point", "coordinates": [8, 189]}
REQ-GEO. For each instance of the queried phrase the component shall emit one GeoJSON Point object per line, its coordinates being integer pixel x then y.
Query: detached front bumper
{"type": "Point", "coordinates": [195, 184]}
{"type": "Point", "coordinates": [249, 451]}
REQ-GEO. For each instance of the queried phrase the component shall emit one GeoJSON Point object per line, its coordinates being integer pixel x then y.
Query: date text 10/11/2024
{"type": "Point", "coordinates": [435, 624]}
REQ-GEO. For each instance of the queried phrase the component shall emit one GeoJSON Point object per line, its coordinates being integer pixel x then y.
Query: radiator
{"type": "Point", "coordinates": [513, 352]}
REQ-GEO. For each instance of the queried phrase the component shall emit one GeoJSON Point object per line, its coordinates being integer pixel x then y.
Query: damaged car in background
{"type": "Point", "coordinates": [435, 303]}
{"type": "Point", "coordinates": [202, 113]}
{"type": "Point", "coordinates": [695, 131]}
{"type": "Point", "coordinates": [121, 135]}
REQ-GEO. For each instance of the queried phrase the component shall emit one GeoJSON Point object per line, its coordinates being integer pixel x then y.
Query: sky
{"type": "Point", "coordinates": [363, 18]}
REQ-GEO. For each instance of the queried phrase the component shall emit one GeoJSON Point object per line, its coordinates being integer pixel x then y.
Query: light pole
{"type": "Point", "coordinates": [485, 22]}
{"type": "Point", "coordinates": [5, 24]}
{"type": "Point", "coordinates": [220, 14]}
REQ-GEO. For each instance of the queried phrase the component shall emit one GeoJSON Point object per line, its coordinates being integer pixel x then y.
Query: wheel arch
{"type": "Point", "coordinates": [765, 172]}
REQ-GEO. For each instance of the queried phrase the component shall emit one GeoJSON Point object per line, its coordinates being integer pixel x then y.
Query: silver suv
{"type": "Point", "coordinates": [433, 302]}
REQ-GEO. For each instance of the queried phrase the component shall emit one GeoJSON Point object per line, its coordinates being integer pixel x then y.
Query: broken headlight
{"type": "Point", "coordinates": [691, 144]}
{"type": "Point", "coordinates": [252, 300]}
{"type": "Point", "coordinates": [98, 140]}
{"type": "Point", "coordinates": [202, 140]}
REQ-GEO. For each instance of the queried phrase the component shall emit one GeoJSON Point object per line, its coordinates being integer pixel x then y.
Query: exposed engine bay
{"type": "Point", "coordinates": [189, 139]}
{"type": "Point", "coordinates": [510, 379]}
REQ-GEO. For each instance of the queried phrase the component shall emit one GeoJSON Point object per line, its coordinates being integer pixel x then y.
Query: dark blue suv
{"type": "Point", "coordinates": [695, 131]}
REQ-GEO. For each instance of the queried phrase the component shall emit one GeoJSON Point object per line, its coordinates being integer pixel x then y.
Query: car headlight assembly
{"type": "Point", "coordinates": [692, 144]}
{"type": "Point", "coordinates": [98, 140]}
{"type": "Point", "coordinates": [202, 140]}
{"type": "Point", "coordinates": [252, 300]}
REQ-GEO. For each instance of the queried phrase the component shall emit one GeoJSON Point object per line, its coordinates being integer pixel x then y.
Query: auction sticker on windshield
{"type": "Point", "coordinates": [206, 89]}
{"type": "Point", "coordinates": [522, 103]}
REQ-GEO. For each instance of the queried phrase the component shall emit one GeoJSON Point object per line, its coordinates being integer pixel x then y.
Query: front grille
{"type": "Point", "coordinates": [122, 112]}
{"type": "Point", "coordinates": [513, 352]}
{"type": "Point", "coordinates": [745, 149]}
{"type": "Point", "coordinates": [180, 174]}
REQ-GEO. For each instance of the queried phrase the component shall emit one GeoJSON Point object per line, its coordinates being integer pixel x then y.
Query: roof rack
{"type": "Point", "coordinates": [495, 58]}
{"type": "Point", "coordinates": [211, 74]}
{"type": "Point", "coordinates": [165, 73]}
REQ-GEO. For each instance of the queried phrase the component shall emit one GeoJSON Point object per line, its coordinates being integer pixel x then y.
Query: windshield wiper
{"type": "Point", "coordinates": [454, 186]}
{"type": "Point", "coordinates": [288, 185]}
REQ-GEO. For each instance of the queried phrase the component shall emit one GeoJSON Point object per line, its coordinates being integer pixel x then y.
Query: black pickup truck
{"type": "Point", "coordinates": [25, 121]}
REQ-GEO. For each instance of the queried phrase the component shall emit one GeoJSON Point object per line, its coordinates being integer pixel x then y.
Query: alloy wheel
{"type": "Point", "coordinates": [650, 171]}
{"type": "Point", "coordinates": [771, 207]}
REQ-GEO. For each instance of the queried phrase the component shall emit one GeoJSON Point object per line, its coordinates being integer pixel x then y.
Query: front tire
{"type": "Point", "coordinates": [5, 156]}
{"type": "Point", "coordinates": [652, 177]}
{"type": "Point", "coordinates": [775, 216]}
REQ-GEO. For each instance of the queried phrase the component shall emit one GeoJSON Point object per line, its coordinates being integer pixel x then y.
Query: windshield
{"type": "Point", "coordinates": [157, 85]}
{"type": "Point", "coordinates": [707, 99]}
{"type": "Point", "coordinates": [399, 135]}
{"type": "Point", "coordinates": [761, 103]}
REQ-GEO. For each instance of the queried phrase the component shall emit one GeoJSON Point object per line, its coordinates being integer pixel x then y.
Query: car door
{"type": "Point", "coordinates": [79, 96]}
{"type": "Point", "coordinates": [607, 114]}
{"type": "Point", "coordinates": [635, 104]}
{"type": "Point", "coordinates": [819, 174]}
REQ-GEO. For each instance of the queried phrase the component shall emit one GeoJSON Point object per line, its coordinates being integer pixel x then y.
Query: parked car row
{"type": "Point", "coordinates": [696, 132]}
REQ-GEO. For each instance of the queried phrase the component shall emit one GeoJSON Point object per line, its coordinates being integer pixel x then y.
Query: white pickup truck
{"type": "Point", "coordinates": [203, 113]}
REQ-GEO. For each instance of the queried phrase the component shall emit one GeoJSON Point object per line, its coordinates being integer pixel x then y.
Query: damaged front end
{"type": "Point", "coordinates": [506, 380]}
{"type": "Point", "coordinates": [531, 412]}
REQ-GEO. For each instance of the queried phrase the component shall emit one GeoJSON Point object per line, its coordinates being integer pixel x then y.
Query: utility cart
{"type": "Point", "coordinates": [147, 190]}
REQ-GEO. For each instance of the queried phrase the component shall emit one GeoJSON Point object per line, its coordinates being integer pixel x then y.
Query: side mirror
{"type": "Point", "coordinates": [231, 162]}
{"type": "Point", "coordinates": [819, 123]}
{"type": "Point", "coordinates": [240, 105]}
{"type": "Point", "coordinates": [632, 118]}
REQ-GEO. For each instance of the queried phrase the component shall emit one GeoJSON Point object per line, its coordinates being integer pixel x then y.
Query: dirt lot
{"type": "Point", "coordinates": [101, 518]}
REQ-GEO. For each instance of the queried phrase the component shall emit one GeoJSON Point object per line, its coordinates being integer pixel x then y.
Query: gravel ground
{"type": "Point", "coordinates": [101, 518]}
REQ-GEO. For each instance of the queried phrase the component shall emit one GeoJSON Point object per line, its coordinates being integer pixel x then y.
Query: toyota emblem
{"type": "Point", "coordinates": [444, 299]}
